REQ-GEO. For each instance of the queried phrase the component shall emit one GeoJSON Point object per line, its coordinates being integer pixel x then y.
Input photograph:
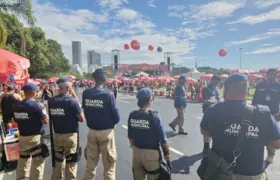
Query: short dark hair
{"type": "Point", "coordinates": [143, 102]}
{"type": "Point", "coordinates": [99, 78]}
{"type": "Point", "coordinates": [10, 88]}
{"type": "Point", "coordinates": [215, 78]}
{"type": "Point", "coordinates": [271, 70]}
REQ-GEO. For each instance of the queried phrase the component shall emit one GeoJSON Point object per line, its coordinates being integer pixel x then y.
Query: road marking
{"type": "Point", "coordinates": [199, 117]}
{"type": "Point", "coordinates": [1, 176]}
{"type": "Point", "coordinates": [176, 151]}
{"type": "Point", "coordinates": [124, 126]}
{"type": "Point", "coordinates": [123, 101]}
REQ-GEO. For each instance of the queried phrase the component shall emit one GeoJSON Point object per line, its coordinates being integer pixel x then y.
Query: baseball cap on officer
{"type": "Point", "coordinates": [63, 80]}
{"type": "Point", "coordinates": [144, 96]}
{"type": "Point", "coordinates": [182, 77]}
{"type": "Point", "coordinates": [30, 87]}
{"type": "Point", "coordinates": [236, 78]}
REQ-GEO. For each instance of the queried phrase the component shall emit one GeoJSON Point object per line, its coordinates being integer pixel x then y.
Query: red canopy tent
{"type": "Point", "coordinates": [11, 63]}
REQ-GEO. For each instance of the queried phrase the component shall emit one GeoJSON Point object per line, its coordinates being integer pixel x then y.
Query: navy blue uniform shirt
{"type": "Point", "coordinates": [140, 130]}
{"type": "Point", "coordinates": [180, 100]}
{"type": "Point", "coordinates": [223, 121]}
{"type": "Point", "coordinates": [64, 110]}
{"type": "Point", "coordinates": [100, 109]}
{"type": "Point", "coordinates": [268, 94]}
{"type": "Point", "coordinates": [29, 115]}
{"type": "Point", "coordinates": [209, 93]}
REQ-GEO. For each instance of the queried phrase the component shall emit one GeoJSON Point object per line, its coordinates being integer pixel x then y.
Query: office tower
{"type": "Point", "coordinates": [77, 53]}
{"type": "Point", "coordinates": [93, 58]}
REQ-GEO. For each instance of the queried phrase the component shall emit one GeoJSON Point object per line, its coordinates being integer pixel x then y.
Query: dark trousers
{"type": "Point", "coordinates": [115, 93]}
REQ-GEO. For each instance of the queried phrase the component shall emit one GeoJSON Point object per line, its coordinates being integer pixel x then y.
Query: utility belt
{"type": "Point", "coordinates": [45, 152]}
{"type": "Point", "coordinates": [75, 157]}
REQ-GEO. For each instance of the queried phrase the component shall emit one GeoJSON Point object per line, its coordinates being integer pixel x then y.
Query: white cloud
{"type": "Point", "coordinates": [267, 44]}
{"type": "Point", "coordinates": [65, 25]}
{"type": "Point", "coordinates": [215, 10]}
{"type": "Point", "coordinates": [127, 14]}
{"type": "Point", "coordinates": [176, 7]}
{"type": "Point", "coordinates": [261, 4]}
{"type": "Point", "coordinates": [267, 35]}
{"type": "Point", "coordinates": [175, 14]}
{"type": "Point", "coordinates": [151, 3]}
{"type": "Point", "coordinates": [112, 4]}
{"type": "Point", "coordinates": [232, 29]}
{"type": "Point", "coordinates": [265, 50]}
{"type": "Point", "coordinates": [255, 19]}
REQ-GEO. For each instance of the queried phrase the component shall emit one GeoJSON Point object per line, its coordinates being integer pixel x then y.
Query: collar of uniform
{"type": "Point", "coordinates": [63, 95]}
{"type": "Point", "coordinates": [236, 101]}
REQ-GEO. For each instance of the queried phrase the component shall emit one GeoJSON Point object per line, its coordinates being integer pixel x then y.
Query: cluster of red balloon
{"type": "Point", "coordinates": [135, 45]}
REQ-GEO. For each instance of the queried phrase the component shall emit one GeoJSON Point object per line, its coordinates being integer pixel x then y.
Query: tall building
{"type": "Point", "coordinates": [77, 53]}
{"type": "Point", "coordinates": [93, 58]}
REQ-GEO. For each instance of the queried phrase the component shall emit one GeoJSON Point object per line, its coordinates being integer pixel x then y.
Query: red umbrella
{"type": "Point", "coordinates": [263, 70]}
{"type": "Point", "coordinates": [53, 79]}
{"type": "Point", "coordinates": [190, 80]}
{"type": "Point", "coordinates": [206, 77]}
{"type": "Point", "coordinates": [224, 76]}
{"type": "Point", "coordinates": [245, 71]}
{"type": "Point", "coordinates": [70, 77]}
{"type": "Point", "coordinates": [33, 81]}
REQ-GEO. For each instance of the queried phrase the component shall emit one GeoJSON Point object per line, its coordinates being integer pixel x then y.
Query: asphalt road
{"type": "Point", "coordinates": [186, 150]}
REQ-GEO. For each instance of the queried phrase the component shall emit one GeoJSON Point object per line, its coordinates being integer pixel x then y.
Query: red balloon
{"type": "Point", "coordinates": [222, 52]}
{"type": "Point", "coordinates": [126, 47]}
{"type": "Point", "coordinates": [135, 44]}
{"type": "Point", "coordinates": [150, 48]}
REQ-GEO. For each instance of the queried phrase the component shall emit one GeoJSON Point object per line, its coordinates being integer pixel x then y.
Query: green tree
{"type": "Point", "coordinates": [3, 33]}
{"type": "Point", "coordinates": [58, 62]}
{"type": "Point", "coordinates": [21, 9]}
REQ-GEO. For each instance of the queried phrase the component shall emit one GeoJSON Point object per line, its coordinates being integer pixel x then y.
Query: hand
{"type": "Point", "coordinates": [277, 117]}
{"type": "Point", "coordinates": [167, 157]}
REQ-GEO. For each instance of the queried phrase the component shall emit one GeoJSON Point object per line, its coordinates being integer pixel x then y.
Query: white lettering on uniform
{"type": "Point", "coordinates": [57, 112]}
{"type": "Point", "coordinates": [139, 123]}
{"type": "Point", "coordinates": [234, 130]}
{"type": "Point", "coordinates": [94, 103]}
{"type": "Point", "coordinates": [21, 115]}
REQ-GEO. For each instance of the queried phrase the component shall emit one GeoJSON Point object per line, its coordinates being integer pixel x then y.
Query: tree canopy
{"type": "Point", "coordinates": [46, 56]}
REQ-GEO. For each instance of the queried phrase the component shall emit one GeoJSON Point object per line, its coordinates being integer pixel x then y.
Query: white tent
{"type": "Point", "coordinates": [142, 74]}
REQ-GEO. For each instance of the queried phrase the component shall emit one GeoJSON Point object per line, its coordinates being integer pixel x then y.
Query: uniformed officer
{"type": "Point", "coordinates": [30, 117]}
{"type": "Point", "coordinates": [268, 93]}
{"type": "Point", "coordinates": [223, 120]}
{"type": "Point", "coordinates": [8, 100]}
{"type": "Point", "coordinates": [180, 103]}
{"type": "Point", "coordinates": [102, 115]}
{"type": "Point", "coordinates": [210, 95]}
{"type": "Point", "coordinates": [65, 113]}
{"type": "Point", "coordinates": [145, 132]}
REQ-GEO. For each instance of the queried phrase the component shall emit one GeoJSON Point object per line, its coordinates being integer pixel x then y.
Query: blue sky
{"type": "Point", "coordinates": [191, 29]}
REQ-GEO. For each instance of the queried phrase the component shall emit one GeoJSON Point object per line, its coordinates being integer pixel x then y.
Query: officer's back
{"type": "Point", "coordinates": [145, 133]}
{"type": "Point", "coordinates": [102, 115]}
{"type": "Point", "coordinates": [30, 117]}
{"type": "Point", "coordinates": [65, 113]}
{"type": "Point", "coordinates": [223, 122]}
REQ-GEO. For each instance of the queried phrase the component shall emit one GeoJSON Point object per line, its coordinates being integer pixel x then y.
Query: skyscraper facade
{"type": "Point", "coordinates": [77, 53]}
{"type": "Point", "coordinates": [93, 58]}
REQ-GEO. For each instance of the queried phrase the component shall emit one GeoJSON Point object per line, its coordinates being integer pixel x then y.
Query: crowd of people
{"type": "Point", "coordinates": [238, 130]}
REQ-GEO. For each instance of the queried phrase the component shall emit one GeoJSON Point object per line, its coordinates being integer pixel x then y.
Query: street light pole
{"type": "Point", "coordinates": [240, 51]}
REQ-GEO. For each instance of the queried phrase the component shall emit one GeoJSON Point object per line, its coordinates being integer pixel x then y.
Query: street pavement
{"type": "Point", "coordinates": [186, 150]}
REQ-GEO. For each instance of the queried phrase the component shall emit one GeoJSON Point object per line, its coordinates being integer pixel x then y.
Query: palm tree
{"type": "Point", "coordinates": [21, 9]}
